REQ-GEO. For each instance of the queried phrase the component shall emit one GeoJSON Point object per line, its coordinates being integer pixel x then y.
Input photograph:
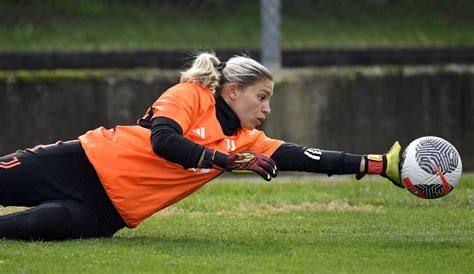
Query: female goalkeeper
{"type": "Point", "coordinates": [114, 178]}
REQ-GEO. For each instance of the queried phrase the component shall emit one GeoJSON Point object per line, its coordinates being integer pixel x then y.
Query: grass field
{"type": "Point", "coordinates": [294, 224]}
{"type": "Point", "coordinates": [50, 25]}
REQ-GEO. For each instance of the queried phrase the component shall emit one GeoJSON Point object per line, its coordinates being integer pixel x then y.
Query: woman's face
{"type": "Point", "coordinates": [252, 103]}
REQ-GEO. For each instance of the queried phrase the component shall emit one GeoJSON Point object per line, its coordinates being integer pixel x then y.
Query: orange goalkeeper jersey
{"type": "Point", "coordinates": [139, 182]}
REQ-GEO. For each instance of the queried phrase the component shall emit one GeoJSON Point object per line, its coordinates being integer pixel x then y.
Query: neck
{"type": "Point", "coordinates": [227, 118]}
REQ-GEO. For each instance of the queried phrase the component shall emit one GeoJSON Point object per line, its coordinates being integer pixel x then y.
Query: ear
{"type": "Point", "coordinates": [229, 91]}
{"type": "Point", "coordinates": [233, 91]}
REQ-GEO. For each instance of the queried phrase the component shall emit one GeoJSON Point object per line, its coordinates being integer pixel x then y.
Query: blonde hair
{"type": "Point", "coordinates": [207, 71]}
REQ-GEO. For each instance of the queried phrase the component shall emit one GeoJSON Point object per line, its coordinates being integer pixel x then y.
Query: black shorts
{"type": "Point", "coordinates": [58, 175]}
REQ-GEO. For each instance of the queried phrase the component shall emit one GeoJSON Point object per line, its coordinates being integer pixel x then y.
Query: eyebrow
{"type": "Point", "coordinates": [267, 92]}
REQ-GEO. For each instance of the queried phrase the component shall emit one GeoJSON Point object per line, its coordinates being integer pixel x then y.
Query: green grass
{"type": "Point", "coordinates": [118, 25]}
{"type": "Point", "coordinates": [360, 24]}
{"type": "Point", "coordinates": [297, 224]}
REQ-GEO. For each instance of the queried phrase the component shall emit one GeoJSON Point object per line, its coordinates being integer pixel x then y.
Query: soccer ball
{"type": "Point", "coordinates": [430, 167]}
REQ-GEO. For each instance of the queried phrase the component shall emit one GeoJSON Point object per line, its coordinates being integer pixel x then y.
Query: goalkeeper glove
{"type": "Point", "coordinates": [249, 162]}
{"type": "Point", "coordinates": [241, 163]}
{"type": "Point", "coordinates": [387, 165]}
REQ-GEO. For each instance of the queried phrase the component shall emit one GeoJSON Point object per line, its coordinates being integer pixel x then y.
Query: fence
{"type": "Point", "coordinates": [358, 110]}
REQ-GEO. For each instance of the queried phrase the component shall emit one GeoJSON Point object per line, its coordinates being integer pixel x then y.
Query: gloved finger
{"type": "Point", "coordinates": [260, 171]}
{"type": "Point", "coordinates": [272, 164]}
{"type": "Point", "coordinates": [391, 180]}
{"type": "Point", "coordinates": [269, 167]}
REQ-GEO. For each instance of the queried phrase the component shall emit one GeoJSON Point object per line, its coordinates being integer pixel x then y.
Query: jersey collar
{"type": "Point", "coordinates": [227, 118]}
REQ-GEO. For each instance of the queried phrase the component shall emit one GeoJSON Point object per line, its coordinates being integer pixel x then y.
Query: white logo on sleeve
{"type": "Point", "coordinates": [201, 132]}
{"type": "Point", "coordinates": [313, 153]}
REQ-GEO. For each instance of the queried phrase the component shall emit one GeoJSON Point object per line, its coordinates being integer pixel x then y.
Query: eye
{"type": "Point", "coordinates": [262, 97]}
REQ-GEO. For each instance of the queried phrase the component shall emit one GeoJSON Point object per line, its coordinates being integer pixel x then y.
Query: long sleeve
{"type": "Point", "coordinates": [292, 157]}
{"type": "Point", "coordinates": [167, 141]}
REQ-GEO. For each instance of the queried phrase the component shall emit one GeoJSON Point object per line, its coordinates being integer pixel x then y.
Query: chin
{"type": "Point", "coordinates": [250, 127]}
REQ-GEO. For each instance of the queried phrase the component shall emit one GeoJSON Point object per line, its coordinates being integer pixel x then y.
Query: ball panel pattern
{"type": "Point", "coordinates": [430, 167]}
{"type": "Point", "coordinates": [437, 151]}
{"type": "Point", "coordinates": [429, 191]}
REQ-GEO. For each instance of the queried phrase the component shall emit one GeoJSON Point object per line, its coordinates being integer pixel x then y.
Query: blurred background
{"type": "Point", "coordinates": [349, 75]}
{"type": "Point", "coordinates": [104, 25]}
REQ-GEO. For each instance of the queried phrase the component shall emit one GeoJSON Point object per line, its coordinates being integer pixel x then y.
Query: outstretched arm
{"type": "Point", "coordinates": [292, 157]}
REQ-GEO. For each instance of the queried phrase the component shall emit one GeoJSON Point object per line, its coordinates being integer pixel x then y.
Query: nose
{"type": "Point", "coordinates": [266, 108]}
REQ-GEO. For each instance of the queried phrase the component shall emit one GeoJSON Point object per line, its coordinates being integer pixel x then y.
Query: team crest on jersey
{"type": "Point", "coordinates": [313, 153]}
{"type": "Point", "coordinates": [201, 132]}
{"type": "Point", "coordinates": [229, 145]}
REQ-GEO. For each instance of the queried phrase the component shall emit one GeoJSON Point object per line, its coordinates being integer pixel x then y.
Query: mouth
{"type": "Point", "coordinates": [260, 120]}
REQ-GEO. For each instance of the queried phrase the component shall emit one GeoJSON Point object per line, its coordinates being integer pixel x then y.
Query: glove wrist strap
{"type": "Point", "coordinates": [212, 158]}
{"type": "Point", "coordinates": [220, 159]}
{"type": "Point", "coordinates": [374, 164]}
{"type": "Point", "coordinates": [208, 158]}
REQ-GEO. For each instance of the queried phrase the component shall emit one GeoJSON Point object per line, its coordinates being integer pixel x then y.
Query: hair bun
{"type": "Point", "coordinates": [221, 66]}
